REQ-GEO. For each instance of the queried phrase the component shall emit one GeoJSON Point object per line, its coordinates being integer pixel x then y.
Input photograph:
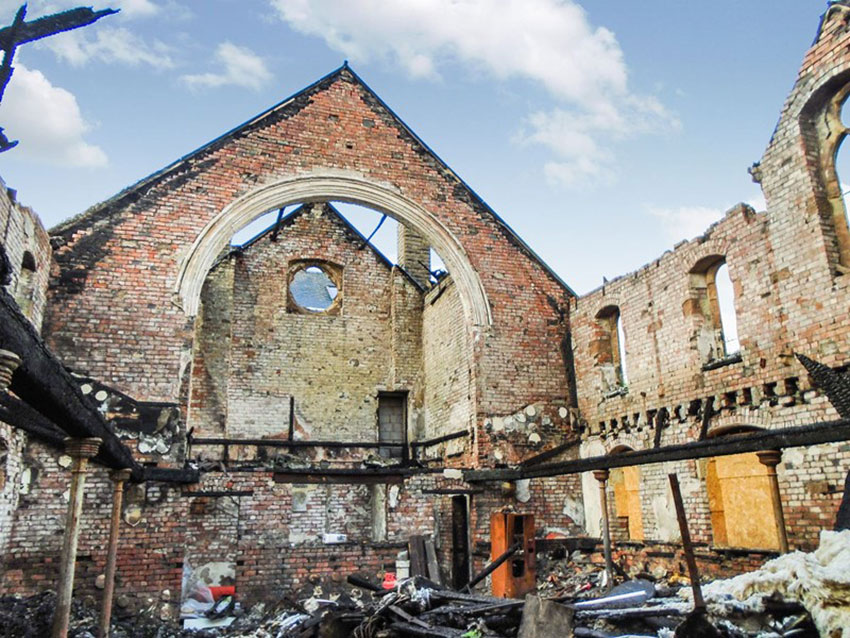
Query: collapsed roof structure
{"type": "Point", "coordinates": [292, 410]}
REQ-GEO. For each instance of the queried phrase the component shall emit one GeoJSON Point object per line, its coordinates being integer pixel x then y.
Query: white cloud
{"type": "Point", "coordinates": [47, 121]}
{"type": "Point", "coordinates": [686, 222]}
{"type": "Point", "coordinates": [239, 67]}
{"type": "Point", "coordinates": [550, 43]}
{"type": "Point", "coordinates": [116, 45]}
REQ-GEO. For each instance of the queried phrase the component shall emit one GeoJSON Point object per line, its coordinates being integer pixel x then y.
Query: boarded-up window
{"type": "Point", "coordinates": [626, 485]}
{"type": "Point", "coordinates": [740, 502]}
{"type": "Point", "coordinates": [392, 423]}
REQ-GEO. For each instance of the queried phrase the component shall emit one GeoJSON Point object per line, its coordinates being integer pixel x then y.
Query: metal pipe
{"type": "Point", "coordinates": [770, 459]}
{"type": "Point", "coordinates": [119, 477]}
{"type": "Point", "coordinates": [80, 450]}
{"type": "Point", "coordinates": [602, 477]}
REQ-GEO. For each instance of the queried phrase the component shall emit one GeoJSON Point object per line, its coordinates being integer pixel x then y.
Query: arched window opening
{"type": "Point", "coordinates": [609, 349]}
{"type": "Point", "coordinates": [625, 483]}
{"type": "Point", "coordinates": [842, 172]}
{"type": "Point", "coordinates": [726, 304]}
{"type": "Point", "coordinates": [740, 500]}
{"type": "Point", "coordinates": [25, 290]}
{"type": "Point", "coordinates": [712, 306]}
{"type": "Point", "coordinates": [824, 122]}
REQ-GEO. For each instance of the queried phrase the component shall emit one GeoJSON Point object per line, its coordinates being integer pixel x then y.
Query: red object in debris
{"type": "Point", "coordinates": [221, 592]}
{"type": "Point", "coordinates": [389, 581]}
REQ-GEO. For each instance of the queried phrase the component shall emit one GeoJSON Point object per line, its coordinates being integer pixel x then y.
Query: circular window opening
{"type": "Point", "coordinates": [313, 289]}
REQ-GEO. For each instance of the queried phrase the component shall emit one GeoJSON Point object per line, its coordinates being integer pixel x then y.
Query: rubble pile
{"type": "Point", "coordinates": [819, 581]}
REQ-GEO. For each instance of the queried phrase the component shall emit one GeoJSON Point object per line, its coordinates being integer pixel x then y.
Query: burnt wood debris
{"type": "Point", "coordinates": [297, 437]}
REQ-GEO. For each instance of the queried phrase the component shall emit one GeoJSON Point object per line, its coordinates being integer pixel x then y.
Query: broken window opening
{"type": "Point", "coordinates": [25, 290]}
{"type": "Point", "coordinates": [313, 289]}
{"type": "Point", "coordinates": [610, 349]}
{"type": "Point", "coordinates": [712, 304]}
{"type": "Point", "coordinates": [824, 125]}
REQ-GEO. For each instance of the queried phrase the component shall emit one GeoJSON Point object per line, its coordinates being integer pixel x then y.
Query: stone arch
{"type": "Point", "coordinates": [350, 188]}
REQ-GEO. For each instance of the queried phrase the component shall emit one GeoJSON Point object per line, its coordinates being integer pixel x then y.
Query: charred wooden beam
{"type": "Point", "coordinates": [439, 439]}
{"type": "Point", "coordinates": [295, 444]}
{"type": "Point", "coordinates": [19, 415]}
{"type": "Point", "coordinates": [43, 382]}
{"type": "Point", "coordinates": [186, 476]}
{"type": "Point", "coordinates": [493, 566]}
{"type": "Point", "coordinates": [549, 454]}
{"type": "Point", "coordinates": [217, 494]}
{"type": "Point", "coordinates": [51, 25]}
{"type": "Point", "coordinates": [816, 434]}
{"type": "Point", "coordinates": [359, 476]}
{"type": "Point", "coordinates": [835, 385]}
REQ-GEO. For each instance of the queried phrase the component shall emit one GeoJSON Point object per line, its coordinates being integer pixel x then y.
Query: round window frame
{"type": "Point", "coordinates": [332, 271]}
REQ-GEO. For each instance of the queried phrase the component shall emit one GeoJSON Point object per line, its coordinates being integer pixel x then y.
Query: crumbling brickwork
{"type": "Point", "coordinates": [790, 288]}
{"type": "Point", "coordinates": [26, 246]}
{"type": "Point", "coordinates": [254, 352]}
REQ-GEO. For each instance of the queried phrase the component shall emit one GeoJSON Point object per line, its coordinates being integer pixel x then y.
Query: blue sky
{"type": "Point", "coordinates": [601, 132]}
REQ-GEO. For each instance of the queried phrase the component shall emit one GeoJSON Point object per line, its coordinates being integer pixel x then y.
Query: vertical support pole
{"type": "Point", "coordinates": [119, 477]}
{"type": "Point", "coordinates": [602, 477]}
{"type": "Point", "coordinates": [770, 459]}
{"type": "Point", "coordinates": [80, 450]}
{"type": "Point", "coordinates": [693, 572]}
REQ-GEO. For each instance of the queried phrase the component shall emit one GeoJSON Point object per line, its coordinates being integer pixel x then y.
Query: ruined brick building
{"type": "Point", "coordinates": [297, 406]}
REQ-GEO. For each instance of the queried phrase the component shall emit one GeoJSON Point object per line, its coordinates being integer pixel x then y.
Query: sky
{"type": "Point", "coordinates": [601, 132]}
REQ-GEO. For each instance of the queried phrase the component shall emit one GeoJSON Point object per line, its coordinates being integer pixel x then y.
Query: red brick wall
{"type": "Point", "coordinates": [118, 263]}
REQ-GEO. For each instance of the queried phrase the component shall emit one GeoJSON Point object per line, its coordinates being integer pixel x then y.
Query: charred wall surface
{"type": "Point", "coordinates": [27, 254]}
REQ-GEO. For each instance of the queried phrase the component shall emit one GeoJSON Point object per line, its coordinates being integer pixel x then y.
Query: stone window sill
{"type": "Point", "coordinates": [621, 391]}
{"type": "Point", "coordinates": [722, 363]}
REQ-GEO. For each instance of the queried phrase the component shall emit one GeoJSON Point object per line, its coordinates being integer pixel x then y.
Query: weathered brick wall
{"type": "Point", "coordinates": [12, 443]}
{"type": "Point", "coordinates": [118, 262]}
{"type": "Point", "coordinates": [254, 350]}
{"type": "Point", "coordinates": [448, 367]}
{"type": "Point", "coordinates": [22, 233]}
{"type": "Point", "coordinates": [150, 554]}
{"type": "Point", "coordinates": [790, 296]}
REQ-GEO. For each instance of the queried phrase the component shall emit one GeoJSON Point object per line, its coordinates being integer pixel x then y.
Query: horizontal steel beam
{"type": "Point", "coordinates": [816, 434]}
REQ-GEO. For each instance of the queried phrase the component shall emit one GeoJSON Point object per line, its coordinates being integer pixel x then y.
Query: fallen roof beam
{"type": "Point", "coordinates": [816, 434]}
{"type": "Point", "coordinates": [187, 475]}
{"type": "Point", "coordinates": [21, 416]}
{"type": "Point", "coordinates": [43, 382]}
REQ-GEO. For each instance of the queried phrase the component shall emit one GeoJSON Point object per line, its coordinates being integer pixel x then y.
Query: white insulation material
{"type": "Point", "coordinates": [820, 581]}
